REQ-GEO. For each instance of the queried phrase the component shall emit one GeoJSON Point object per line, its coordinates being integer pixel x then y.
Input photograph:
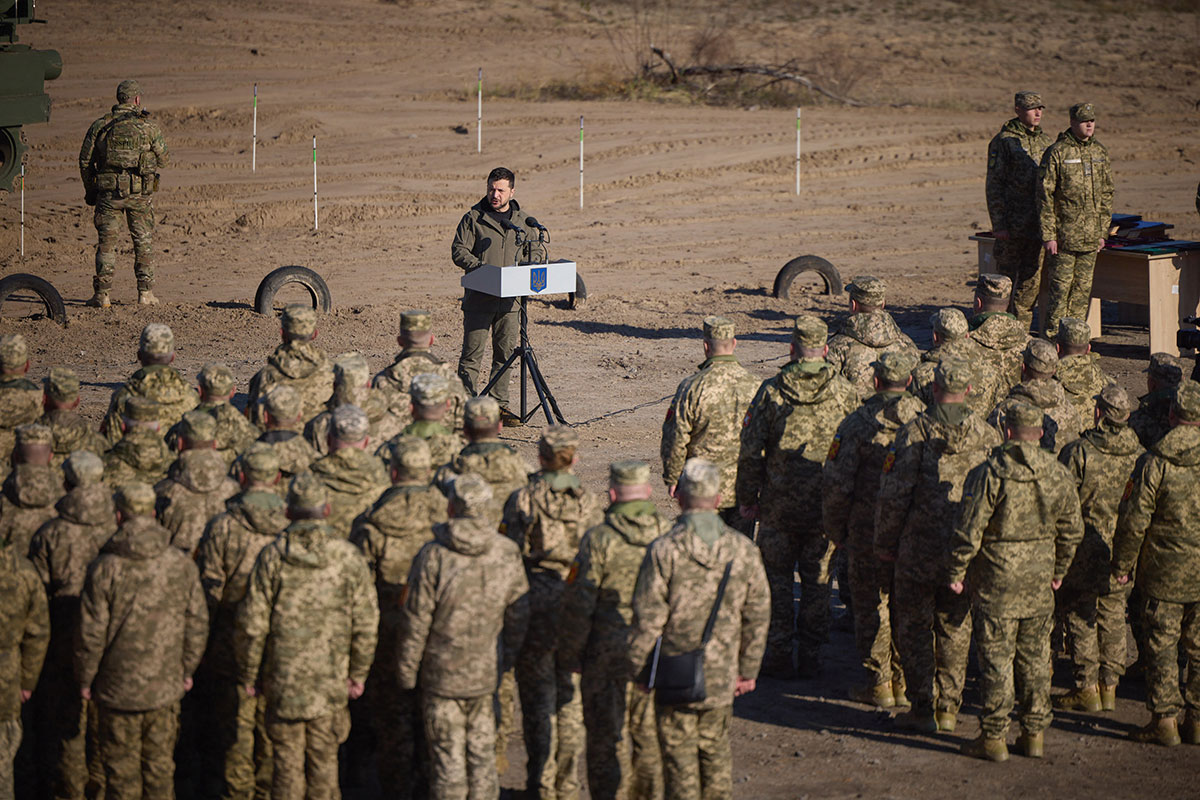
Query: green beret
{"type": "Point", "coordinates": [136, 499]}
{"type": "Point", "coordinates": [557, 438]}
{"type": "Point", "coordinates": [1028, 100]}
{"type": "Point", "coordinates": [993, 286]}
{"type": "Point", "coordinates": [260, 462]}
{"type": "Point", "coordinates": [83, 468]}
{"type": "Point", "coordinates": [429, 389]}
{"type": "Point", "coordinates": [13, 351]}
{"type": "Point", "coordinates": [32, 433]}
{"type": "Point", "coordinates": [306, 491]}
{"type": "Point", "coordinates": [718, 328]}
{"type": "Point", "coordinates": [1024, 415]}
{"type": "Point", "coordinates": [351, 369]}
{"type": "Point", "coordinates": [1083, 112]}
{"type": "Point", "coordinates": [1186, 403]}
{"type": "Point", "coordinates": [156, 340]}
{"type": "Point", "coordinates": [127, 90]}
{"type": "Point", "coordinates": [950, 323]}
{"type": "Point", "coordinates": [1113, 401]}
{"type": "Point", "coordinates": [1041, 356]}
{"type": "Point", "coordinates": [629, 473]}
{"type": "Point", "coordinates": [481, 411]}
{"type": "Point", "coordinates": [809, 331]}
{"type": "Point", "coordinates": [1165, 368]}
{"type": "Point", "coordinates": [894, 366]}
{"type": "Point", "coordinates": [954, 375]}
{"type": "Point", "coordinates": [199, 426]}
{"type": "Point", "coordinates": [700, 479]}
{"type": "Point", "coordinates": [868, 289]}
{"type": "Point", "coordinates": [471, 494]}
{"type": "Point", "coordinates": [416, 322]}
{"type": "Point", "coordinates": [350, 424]}
{"type": "Point", "coordinates": [299, 320]}
{"type": "Point", "coordinates": [141, 409]}
{"type": "Point", "coordinates": [1073, 332]}
{"type": "Point", "coordinates": [410, 457]}
{"type": "Point", "coordinates": [61, 384]}
{"type": "Point", "coordinates": [283, 403]}
{"type": "Point", "coordinates": [216, 379]}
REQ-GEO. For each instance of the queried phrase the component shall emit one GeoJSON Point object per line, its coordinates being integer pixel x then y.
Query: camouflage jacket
{"type": "Point", "coordinates": [1014, 161]}
{"type": "Point", "coordinates": [494, 461]}
{"type": "Point", "coordinates": [355, 479]}
{"type": "Point", "coordinates": [159, 382]}
{"type": "Point", "coordinates": [141, 455]}
{"type": "Point", "coordinates": [704, 421]}
{"type": "Point", "coordinates": [921, 487]}
{"type": "Point", "coordinates": [308, 622]}
{"type": "Point", "coordinates": [194, 493]}
{"type": "Point", "coordinates": [597, 604]}
{"type": "Point", "coordinates": [1075, 195]}
{"type": "Point", "coordinates": [859, 343]}
{"type": "Point", "coordinates": [1158, 527]}
{"type": "Point", "coordinates": [1016, 530]}
{"type": "Point", "coordinates": [26, 502]}
{"type": "Point", "coordinates": [1061, 424]}
{"type": "Point", "coordinates": [785, 438]}
{"type": "Point", "coordinates": [854, 466]}
{"type": "Point", "coordinates": [674, 595]}
{"type": "Point", "coordinates": [234, 432]}
{"type": "Point", "coordinates": [143, 622]}
{"type": "Point", "coordinates": [1101, 461]}
{"type": "Point", "coordinates": [466, 589]}
{"type": "Point", "coordinates": [301, 365]}
{"type": "Point", "coordinates": [24, 631]}
{"type": "Point", "coordinates": [20, 403]}
{"type": "Point", "coordinates": [1082, 378]}
{"type": "Point", "coordinates": [986, 378]}
{"type": "Point", "coordinates": [383, 423]}
{"type": "Point", "coordinates": [1003, 339]}
{"type": "Point", "coordinates": [1150, 419]}
{"type": "Point", "coordinates": [226, 556]}
{"type": "Point", "coordinates": [152, 142]}
{"type": "Point", "coordinates": [294, 453]}
{"type": "Point", "coordinates": [444, 444]}
{"type": "Point", "coordinates": [71, 432]}
{"type": "Point", "coordinates": [410, 362]}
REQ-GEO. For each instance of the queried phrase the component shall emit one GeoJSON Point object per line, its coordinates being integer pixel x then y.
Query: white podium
{"type": "Point", "coordinates": [522, 280]}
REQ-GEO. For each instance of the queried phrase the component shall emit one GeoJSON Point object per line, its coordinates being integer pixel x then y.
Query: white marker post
{"type": "Point", "coordinates": [254, 136]}
{"type": "Point", "coordinates": [581, 160]}
{"type": "Point", "coordinates": [479, 115]}
{"type": "Point", "coordinates": [315, 220]}
{"type": "Point", "coordinates": [22, 210]}
{"type": "Point", "coordinates": [797, 151]}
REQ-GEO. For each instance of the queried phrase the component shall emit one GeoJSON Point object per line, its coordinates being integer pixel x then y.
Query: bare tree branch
{"type": "Point", "coordinates": [776, 72]}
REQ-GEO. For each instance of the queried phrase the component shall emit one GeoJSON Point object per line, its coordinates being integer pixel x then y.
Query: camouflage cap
{"type": "Point", "coordinates": [471, 493]}
{"type": "Point", "coordinates": [429, 389]}
{"type": "Point", "coordinates": [1165, 368]}
{"type": "Point", "coordinates": [198, 426]}
{"type": "Point", "coordinates": [1083, 112]}
{"type": "Point", "coordinates": [61, 384]}
{"type": "Point", "coordinates": [351, 369]}
{"type": "Point", "coordinates": [629, 473]}
{"type": "Point", "coordinates": [1073, 332]}
{"type": "Point", "coordinates": [307, 491]}
{"type": "Point", "coordinates": [718, 328]}
{"type": "Point", "coordinates": [1028, 100]}
{"type": "Point", "coordinates": [1113, 401]}
{"type": "Point", "coordinates": [1041, 356]}
{"type": "Point", "coordinates": [14, 353]}
{"type": "Point", "coordinates": [216, 379]}
{"type": "Point", "coordinates": [894, 366]}
{"type": "Point", "coordinates": [127, 90]}
{"type": "Point", "coordinates": [299, 320]}
{"type": "Point", "coordinates": [136, 499]}
{"type": "Point", "coordinates": [260, 462]}
{"type": "Point", "coordinates": [283, 403]}
{"type": "Point", "coordinates": [809, 331]}
{"type": "Point", "coordinates": [83, 468]}
{"type": "Point", "coordinates": [416, 321]}
{"type": "Point", "coordinates": [700, 478]}
{"type": "Point", "coordinates": [993, 286]}
{"type": "Point", "coordinates": [1024, 415]}
{"type": "Point", "coordinates": [32, 433]}
{"type": "Point", "coordinates": [868, 289]}
{"type": "Point", "coordinates": [1186, 403]}
{"type": "Point", "coordinates": [156, 340]}
{"type": "Point", "coordinates": [141, 409]}
{"type": "Point", "coordinates": [350, 424]}
{"type": "Point", "coordinates": [410, 456]}
{"type": "Point", "coordinates": [954, 375]}
{"type": "Point", "coordinates": [481, 411]}
{"type": "Point", "coordinates": [950, 323]}
{"type": "Point", "coordinates": [557, 438]}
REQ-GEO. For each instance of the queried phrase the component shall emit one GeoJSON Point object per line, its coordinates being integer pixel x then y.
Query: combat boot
{"type": "Point", "coordinates": [919, 720]}
{"type": "Point", "coordinates": [99, 299]}
{"type": "Point", "coordinates": [1030, 744]}
{"type": "Point", "coordinates": [1191, 727]}
{"type": "Point", "coordinates": [1108, 696]}
{"type": "Point", "coordinates": [947, 721]}
{"type": "Point", "coordinates": [987, 748]}
{"type": "Point", "coordinates": [146, 298]}
{"type": "Point", "coordinates": [1161, 729]}
{"type": "Point", "coordinates": [878, 695]}
{"type": "Point", "coordinates": [1085, 698]}
{"type": "Point", "coordinates": [900, 690]}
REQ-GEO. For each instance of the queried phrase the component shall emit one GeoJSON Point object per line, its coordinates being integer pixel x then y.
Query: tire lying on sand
{"type": "Point", "coordinates": [318, 290]}
{"type": "Point", "coordinates": [800, 264]}
{"type": "Point", "coordinates": [578, 297]}
{"type": "Point", "coordinates": [24, 282]}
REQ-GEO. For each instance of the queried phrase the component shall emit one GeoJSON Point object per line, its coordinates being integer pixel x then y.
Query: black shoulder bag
{"type": "Point", "coordinates": [677, 680]}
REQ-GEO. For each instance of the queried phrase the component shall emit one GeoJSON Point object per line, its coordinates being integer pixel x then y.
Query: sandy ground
{"type": "Point", "coordinates": [688, 210]}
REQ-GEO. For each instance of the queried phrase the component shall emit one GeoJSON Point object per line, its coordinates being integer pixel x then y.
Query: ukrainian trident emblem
{"type": "Point", "coordinates": [537, 279]}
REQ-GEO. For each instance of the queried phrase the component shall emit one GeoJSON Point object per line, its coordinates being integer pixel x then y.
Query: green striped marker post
{"type": "Point", "coordinates": [315, 220]}
{"type": "Point", "coordinates": [254, 135]}
{"type": "Point", "coordinates": [581, 160]}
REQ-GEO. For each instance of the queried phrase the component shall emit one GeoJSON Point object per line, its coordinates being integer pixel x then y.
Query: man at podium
{"type": "Point", "coordinates": [488, 234]}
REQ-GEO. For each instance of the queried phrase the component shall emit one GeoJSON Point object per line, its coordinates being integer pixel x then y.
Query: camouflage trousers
{"type": "Point", "coordinates": [506, 713]}
{"type": "Point", "coordinates": [399, 740]}
{"type": "Point", "coordinates": [1169, 628]}
{"type": "Point", "coordinates": [933, 627]}
{"type": "Point", "coordinates": [239, 727]}
{"type": "Point", "coordinates": [552, 714]}
{"type": "Point", "coordinates": [1095, 628]}
{"type": "Point", "coordinates": [1008, 646]}
{"type": "Point", "coordinates": [306, 756]}
{"type": "Point", "coordinates": [784, 553]}
{"type": "Point", "coordinates": [1069, 275]}
{"type": "Point", "coordinates": [697, 761]}
{"type": "Point", "coordinates": [623, 759]}
{"type": "Point", "coordinates": [10, 740]}
{"type": "Point", "coordinates": [138, 750]}
{"type": "Point", "coordinates": [504, 331]}
{"type": "Point", "coordinates": [71, 756]}
{"type": "Point", "coordinates": [138, 210]}
{"type": "Point", "coordinates": [871, 589]}
{"type": "Point", "coordinates": [461, 738]}
{"type": "Point", "coordinates": [1021, 260]}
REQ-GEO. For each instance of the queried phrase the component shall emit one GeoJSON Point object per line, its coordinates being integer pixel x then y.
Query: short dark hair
{"type": "Point", "coordinates": [502, 174]}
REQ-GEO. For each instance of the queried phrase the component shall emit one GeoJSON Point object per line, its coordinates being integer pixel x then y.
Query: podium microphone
{"type": "Point", "coordinates": [533, 223]}
{"type": "Point", "coordinates": [509, 225]}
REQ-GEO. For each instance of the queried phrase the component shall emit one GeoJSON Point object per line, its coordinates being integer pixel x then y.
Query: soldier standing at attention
{"type": "Point", "coordinates": [952, 339]}
{"type": "Point", "coordinates": [119, 163]}
{"type": "Point", "coordinates": [234, 432]}
{"type": "Point", "coordinates": [141, 455]}
{"type": "Point", "coordinates": [1078, 367]}
{"type": "Point", "coordinates": [416, 357]}
{"type": "Point", "coordinates": [1016, 530]}
{"type": "Point", "coordinates": [1074, 201]}
{"type": "Point", "coordinates": [24, 636]}
{"type": "Point", "coordinates": [157, 381]}
{"type": "Point", "coordinates": [1014, 157]}
{"type": "Point", "coordinates": [866, 334]}
{"type": "Point", "coordinates": [432, 396]}
{"type": "Point", "coordinates": [19, 401]}
{"type": "Point", "coordinates": [197, 484]}
{"type": "Point", "coordinates": [676, 591]}
{"type": "Point", "coordinates": [30, 491]}
{"type": "Point", "coordinates": [704, 420]}
{"type": "Point", "coordinates": [281, 417]}
{"type": "Point", "coordinates": [71, 431]}
{"type": "Point", "coordinates": [1040, 387]}
{"type": "Point", "coordinates": [485, 455]}
{"type": "Point", "coordinates": [297, 363]}
{"type": "Point", "coordinates": [354, 477]}
{"type": "Point", "coordinates": [1152, 418]}
{"type": "Point", "coordinates": [998, 332]}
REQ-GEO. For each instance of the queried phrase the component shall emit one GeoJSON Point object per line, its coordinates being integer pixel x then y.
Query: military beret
{"type": "Point", "coordinates": [429, 389]}
{"type": "Point", "coordinates": [471, 493]}
{"type": "Point", "coordinates": [1113, 401]}
{"type": "Point", "coordinates": [894, 367]}
{"type": "Point", "coordinates": [32, 433]}
{"type": "Point", "coordinates": [1165, 368]}
{"type": "Point", "coordinates": [216, 379]}
{"type": "Point", "coordinates": [954, 375]}
{"type": "Point", "coordinates": [307, 491]}
{"type": "Point", "coordinates": [480, 411]}
{"type": "Point", "coordinates": [351, 369]}
{"type": "Point", "coordinates": [260, 462]}
{"type": "Point", "coordinates": [127, 90]}
{"type": "Point", "coordinates": [13, 351]}
{"type": "Point", "coordinates": [949, 322]}
{"type": "Point", "coordinates": [700, 478]}
{"type": "Point", "coordinates": [416, 322]}
{"type": "Point", "coordinates": [350, 423]}
{"type": "Point", "coordinates": [718, 328]}
{"type": "Point", "coordinates": [809, 331]}
{"type": "Point", "coordinates": [199, 426]}
{"type": "Point", "coordinates": [1041, 356]}
{"type": "Point", "coordinates": [156, 340]}
{"type": "Point", "coordinates": [1028, 100]}
{"type": "Point", "coordinates": [557, 438]}
{"type": "Point", "coordinates": [61, 384]}
{"type": "Point", "coordinates": [141, 409]}
{"type": "Point", "coordinates": [629, 473]}
{"type": "Point", "coordinates": [1073, 332]}
{"type": "Point", "coordinates": [410, 456]}
{"type": "Point", "coordinates": [1083, 112]}
{"type": "Point", "coordinates": [299, 320]}
{"type": "Point", "coordinates": [994, 286]}
{"type": "Point", "coordinates": [1024, 415]}
{"type": "Point", "coordinates": [868, 289]}
{"type": "Point", "coordinates": [136, 498]}
{"type": "Point", "coordinates": [1186, 403]}
{"type": "Point", "coordinates": [83, 468]}
{"type": "Point", "coordinates": [283, 403]}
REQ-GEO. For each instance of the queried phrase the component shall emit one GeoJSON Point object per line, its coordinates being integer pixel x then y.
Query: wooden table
{"type": "Point", "coordinates": [1167, 284]}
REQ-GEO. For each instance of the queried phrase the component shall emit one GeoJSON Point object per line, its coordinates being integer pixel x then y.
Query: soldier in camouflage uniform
{"type": "Point", "coordinates": [1074, 203]}
{"type": "Point", "coordinates": [547, 519]}
{"type": "Point", "coordinates": [1016, 531]}
{"type": "Point", "coordinates": [157, 380]}
{"type": "Point", "coordinates": [141, 455]}
{"type": "Point", "coordinates": [920, 489]}
{"type": "Point", "coordinates": [998, 332]}
{"type": "Point", "coordinates": [354, 477]}
{"type": "Point", "coordinates": [952, 339]}
{"type": "Point", "coordinates": [297, 363]}
{"type": "Point", "coordinates": [485, 455]}
{"type": "Point", "coordinates": [351, 386]}
{"type": "Point", "coordinates": [281, 418]}
{"type": "Point", "coordinates": [1039, 387]}
{"type": "Point", "coordinates": [597, 608]}
{"type": "Point", "coordinates": [1151, 420]}
{"type": "Point", "coordinates": [30, 491]}
{"type": "Point", "coordinates": [416, 357]}
{"type": "Point", "coordinates": [226, 556]}
{"type": "Point", "coordinates": [1078, 367]}
{"type": "Point", "coordinates": [431, 397]}
{"type": "Point", "coordinates": [234, 432]}
{"type": "Point", "coordinates": [305, 637]}
{"type": "Point", "coordinates": [71, 431]}
{"type": "Point", "coordinates": [1014, 160]}
{"type": "Point", "coordinates": [674, 596]}
{"type": "Point", "coordinates": [20, 400]}
{"type": "Point", "coordinates": [197, 485]}
{"type": "Point", "coordinates": [24, 635]}
{"type": "Point", "coordinates": [849, 486]}
{"type": "Point", "coordinates": [786, 435]}
{"type": "Point", "coordinates": [1156, 535]}
{"type": "Point", "coordinates": [390, 534]}
{"type": "Point", "coordinates": [466, 590]}
{"type": "Point", "coordinates": [61, 551]}
{"type": "Point", "coordinates": [1091, 602]}
{"type": "Point", "coordinates": [704, 419]}
{"type": "Point", "coordinates": [866, 334]}
{"type": "Point", "coordinates": [118, 163]}
{"type": "Point", "coordinates": [143, 626]}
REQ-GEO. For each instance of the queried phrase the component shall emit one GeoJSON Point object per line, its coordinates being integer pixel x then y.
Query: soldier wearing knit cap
{"type": "Point", "coordinates": [431, 396]}
{"type": "Point", "coordinates": [1001, 335]}
{"type": "Point", "coordinates": [354, 476]}
{"type": "Point", "coordinates": [281, 418]}
{"type": "Point", "coordinates": [197, 485]}
{"type": "Point", "coordinates": [157, 380]}
{"type": "Point", "coordinates": [952, 339]}
{"type": "Point", "coordinates": [1151, 419]}
{"type": "Point", "coordinates": [234, 432]}
{"type": "Point", "coordinates": [1078, 367]}
{"type": "Point", "coordinates": [867, 333]}
{"type": "Point", "coordinates": [416, 357]}
{"type": "Point", "coordinates": [297, 363]}
{"type": "Point", "coordinates": [20, 398]}
{"type": "Point", "coordinates": [1039, 387]}
{"type": "Point", "coordinates": [60, 390]}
